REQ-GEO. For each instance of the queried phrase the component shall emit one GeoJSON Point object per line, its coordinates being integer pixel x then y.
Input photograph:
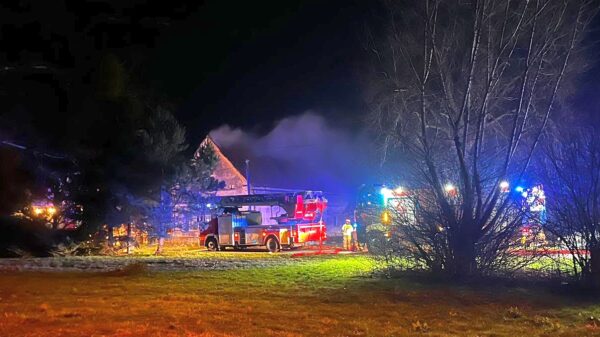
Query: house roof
{"type": "Point", "coordinates": [224, 162]}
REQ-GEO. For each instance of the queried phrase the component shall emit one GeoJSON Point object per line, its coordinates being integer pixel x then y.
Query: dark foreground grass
{"type": "Point", "coordinates": [331, 296]}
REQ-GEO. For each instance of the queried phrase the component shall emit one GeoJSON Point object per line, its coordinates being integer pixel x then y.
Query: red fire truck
{"type": "Point", "coordinates": [238, 224]}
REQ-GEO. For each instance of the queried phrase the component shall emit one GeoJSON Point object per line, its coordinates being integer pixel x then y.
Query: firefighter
{"type": "Point", "coordinates": [347, 231]}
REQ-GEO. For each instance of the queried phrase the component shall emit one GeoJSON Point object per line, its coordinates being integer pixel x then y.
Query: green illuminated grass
{"type": "Point", "coordinates": [318, 296]}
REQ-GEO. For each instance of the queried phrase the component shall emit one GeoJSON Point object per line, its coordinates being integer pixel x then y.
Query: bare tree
{"type": "Point", "coordinates": [572, 175]}
{"type": "Point", "coordinates": [464, 90]}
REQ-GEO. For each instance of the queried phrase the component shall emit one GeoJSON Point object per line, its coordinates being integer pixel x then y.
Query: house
{"type": "Point", "coordinates": [229, 170]}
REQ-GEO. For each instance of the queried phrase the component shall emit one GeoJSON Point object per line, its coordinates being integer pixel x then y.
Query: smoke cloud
{"type": "Point", "coordinates": [300, 152]}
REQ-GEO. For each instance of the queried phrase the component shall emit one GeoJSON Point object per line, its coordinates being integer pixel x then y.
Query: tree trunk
{"type": "Point", "coordinates": [594, 276]}
{"type": "Point", "coordinates": [159, 247]}
{"type": "Point", "coordinates": [463, 263]}
{"type": "Point", "coordinates": [111, 238]}
{"type": "Point", "coordinates": [128, 238]}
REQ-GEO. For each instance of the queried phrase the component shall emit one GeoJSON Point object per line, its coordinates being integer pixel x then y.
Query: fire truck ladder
{"type": "Point", "coordinates": [280, 199]}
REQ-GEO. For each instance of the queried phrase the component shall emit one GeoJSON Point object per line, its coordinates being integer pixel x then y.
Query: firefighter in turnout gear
{"type": "Point", "coordinates": [347, 231]}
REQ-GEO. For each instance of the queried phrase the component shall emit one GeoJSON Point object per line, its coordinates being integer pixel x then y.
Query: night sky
{"type": "Point", "coordinates": [240, 63]}
{"type": "Point", "coordinates": [233, 62]}
{"type": "Point", "coordinates": [255, 62]}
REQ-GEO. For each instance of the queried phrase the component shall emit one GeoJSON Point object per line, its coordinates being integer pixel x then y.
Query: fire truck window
{"type": "Point", "coordinates": [231, 210]}
{"type": "Point", "coordinates": [254, 218]}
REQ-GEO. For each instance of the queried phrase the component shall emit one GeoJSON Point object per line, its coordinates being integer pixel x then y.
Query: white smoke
{"type": "Point", "coordinates": [304, 152]}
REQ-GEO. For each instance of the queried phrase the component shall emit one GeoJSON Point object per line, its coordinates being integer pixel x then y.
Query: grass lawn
{"type": "Point", "coordinates": [194, 252]}
{"type": "Point", "coordinates": [320, 296]}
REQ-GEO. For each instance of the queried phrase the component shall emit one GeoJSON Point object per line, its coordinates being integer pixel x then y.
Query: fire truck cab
{"type": "Point", "coordinates": [237, 225]}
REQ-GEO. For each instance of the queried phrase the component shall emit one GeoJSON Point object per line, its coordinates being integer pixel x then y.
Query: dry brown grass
{"type": "Point", "coordinates": [326, 297]}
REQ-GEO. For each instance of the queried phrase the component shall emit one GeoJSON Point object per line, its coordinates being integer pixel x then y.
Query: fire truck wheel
{"type": "Point", "coordinates": [211, 244]}
{"type": "Point", "coordinates": [272, 245]}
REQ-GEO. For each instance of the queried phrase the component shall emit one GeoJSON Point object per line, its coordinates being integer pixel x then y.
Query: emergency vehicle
{"type": "Point", "coordinates": [379, 205]}
{"type": "Point", "coordinates": [239, 224]}
{"type": "Point", "coordinates": [534, 219]}
{"type": "Point", "coordinates": [379, 211]}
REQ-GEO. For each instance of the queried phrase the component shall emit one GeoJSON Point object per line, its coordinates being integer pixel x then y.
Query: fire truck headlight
{"type": "Point", "coordinates": [386, 193]}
